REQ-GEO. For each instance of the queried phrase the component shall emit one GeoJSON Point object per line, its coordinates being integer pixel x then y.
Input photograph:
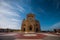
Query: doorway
{"type": "Point", "coordinates": [30, 28]}
{"type": "Point", "coordinates": [23, 29]}
{"type": "Point", "coordinates": [36, 29]}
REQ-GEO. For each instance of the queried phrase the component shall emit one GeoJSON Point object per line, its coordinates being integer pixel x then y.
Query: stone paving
{"type": "Point", "coordinates": [51, 38]}
{"type": "Point", "coordinates": [36, 36]}
{"type": "Point", "coordinates": [30, 36]}
{"type": "Point", "coordinates": [28, 39]}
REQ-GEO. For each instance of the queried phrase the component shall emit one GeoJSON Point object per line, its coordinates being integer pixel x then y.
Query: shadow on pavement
{"type": "Point", "coordinates": [7, 38]}
{"type": "Point", "coordinates": [51, 38]}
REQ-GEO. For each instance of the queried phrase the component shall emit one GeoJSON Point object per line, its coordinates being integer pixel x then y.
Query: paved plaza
{"type": "Point", "coordinates": [22, 36]}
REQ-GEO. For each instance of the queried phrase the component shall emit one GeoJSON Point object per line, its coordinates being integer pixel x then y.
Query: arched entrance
{"type": "Point", "coordinates": [36, 29]}
{"type": "Point", "coordinates": [30, 28]}
{"type": "Point", "coordinates": [23, 29]}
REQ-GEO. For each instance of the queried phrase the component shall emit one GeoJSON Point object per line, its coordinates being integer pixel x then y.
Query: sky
{"type": "Point", "coordinates": [47, 12]}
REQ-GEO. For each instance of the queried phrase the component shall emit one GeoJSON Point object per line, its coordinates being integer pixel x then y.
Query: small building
{"type": "Point", "coordinates": [30, 24]}
{"type": "Point", "coordinates": [57, 30]}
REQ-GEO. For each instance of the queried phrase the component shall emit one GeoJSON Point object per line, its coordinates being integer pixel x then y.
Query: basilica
{"type": "Point", "coordinates": [30, 24]}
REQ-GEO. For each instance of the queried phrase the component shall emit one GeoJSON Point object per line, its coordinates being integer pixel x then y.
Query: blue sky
{"type": "Point", "coordinates": [12, 12]}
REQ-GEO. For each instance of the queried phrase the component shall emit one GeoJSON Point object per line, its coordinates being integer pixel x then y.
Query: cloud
{"type": "Point", "coordinates": [56, 26]}
{"type": "Point", "coordinates": [4, 4]}
{"type": "Point", "coordinates": [21, 9]}
{"type": "Point", "coordinates": [8, 12]}
{"type": "Point", "coordinates": [11, 23]}
{"type": "Point", "coordinates": [7, 16]}
{"type": "Point", "coordinates": [6, 8]}
{"type": "Point", "coordinates": [14, 20]}
{"type": "Point", "coordinates": [57, 5]}
{"type": "Point", "coordinates": [41, 11]}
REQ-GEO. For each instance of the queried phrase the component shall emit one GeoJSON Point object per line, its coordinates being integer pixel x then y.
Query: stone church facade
{"type": "Point", "coordinates": [30, 24]}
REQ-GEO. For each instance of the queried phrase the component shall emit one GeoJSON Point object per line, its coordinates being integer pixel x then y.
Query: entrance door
{"type": "Point", "coordinates": [30, 28]}
{"type": "Point", "coordinates": [36, 29]}
{"type": "Point", "coordinates": [23, 29]}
